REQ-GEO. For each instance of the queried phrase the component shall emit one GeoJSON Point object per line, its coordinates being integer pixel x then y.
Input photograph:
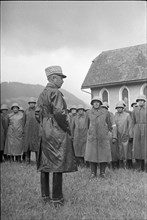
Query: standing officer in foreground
{"type": "Point", "coordinates": [56, 151]}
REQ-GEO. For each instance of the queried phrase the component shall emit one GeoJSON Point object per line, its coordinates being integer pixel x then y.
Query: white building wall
{"type": "Point", "coordinates": [114, 94]}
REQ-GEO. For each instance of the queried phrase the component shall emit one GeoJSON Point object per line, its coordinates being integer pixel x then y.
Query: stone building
{"type": "Point", "coordinates": [119, 74]}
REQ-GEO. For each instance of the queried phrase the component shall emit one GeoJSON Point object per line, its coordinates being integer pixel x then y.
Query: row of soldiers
{"type": "Point", "coordinates": [19, 132]}
{"type": "Point", "coordinates": [99, 136]}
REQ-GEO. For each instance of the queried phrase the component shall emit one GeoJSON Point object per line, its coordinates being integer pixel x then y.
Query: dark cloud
{"type": "Point", "coordinates": [28, 27]}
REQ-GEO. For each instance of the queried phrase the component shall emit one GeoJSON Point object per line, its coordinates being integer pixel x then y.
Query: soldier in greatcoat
{"type": "Point", "coordinates": [112, 138]}
{"type": "Point", "coordinates": [123, 132]}
{"type": "Point", "coordinates": [31, 131]}
{"type": "Point", "coordinates": [79, 134]}
{"type": "Point", "coordinates": [98, 144]}
{"type": "Point", "coordinates": [13, 144]}
{"type": "Point", "coordinates": [4, 127]}
{"type": "Point", "coordinates": [139, 116]}
{"type": "Point", "coordinates": [56, 153]}
{"type": "Point", "coordinates": [72, 114]}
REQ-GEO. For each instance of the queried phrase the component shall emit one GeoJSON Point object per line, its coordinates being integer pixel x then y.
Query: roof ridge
{"type": "Point", "coordinates": [123, 48]}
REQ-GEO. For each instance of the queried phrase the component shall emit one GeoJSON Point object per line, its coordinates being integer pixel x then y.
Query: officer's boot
{"type": "Point", "coordinates": [142, 165]}
{"type": "Point", "coordinates": [93, 169]}
{"type": "Point", "coordinates": [57, 196]}
{"type": "Point", "coordinates": [44, 180]}
{"type": "Point", "coordinates": [28, 157]}
{"type": "Point", "coordinates": [102, 169]}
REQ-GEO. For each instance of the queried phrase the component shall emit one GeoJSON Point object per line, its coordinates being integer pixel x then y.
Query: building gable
{"type": "Point", "coordinates": [118, 66]}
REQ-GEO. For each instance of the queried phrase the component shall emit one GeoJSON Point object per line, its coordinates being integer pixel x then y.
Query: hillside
{"type": "Point", "coordinates": [19, 92]}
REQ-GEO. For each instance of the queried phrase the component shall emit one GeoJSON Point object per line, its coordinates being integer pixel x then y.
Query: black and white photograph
{"type": "Point", "coordinates": [73, 110]}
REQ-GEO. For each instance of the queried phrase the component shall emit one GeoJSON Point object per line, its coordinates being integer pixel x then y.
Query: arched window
{"type": "Point", "coordinates": [124, 95]}
{"type": "Point", "coordinates": [104, 95]}
{"type": "Point", "coordinates": [145, 91]}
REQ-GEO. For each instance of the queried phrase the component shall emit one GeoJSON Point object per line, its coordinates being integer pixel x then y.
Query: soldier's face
{"type": "Point", "coordinates": [141, 102]}
{"type": "Point", "coordinates": [80, 111]}
{"type": "Point", "coordinates": [4, 111]}
{"type": "Point", "coordinates": [58, 80]}
{"type": "Point", "coordinates": [73, 111]}
{"type": "Point", "coordinates": [119, 110]}
{"type": "Point", "coordinates": [15, 109]}
{"type": "Point", "coordinates": [32, 104]}
{"type": "Point", "coordinates": [96, 104]}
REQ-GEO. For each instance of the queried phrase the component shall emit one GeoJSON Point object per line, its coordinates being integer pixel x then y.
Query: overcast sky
{"type": "Point", "coordinates": [35, 35]}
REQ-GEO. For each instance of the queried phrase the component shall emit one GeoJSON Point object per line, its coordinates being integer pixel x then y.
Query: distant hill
{"type": "Point", "coordinates": [19, 92]}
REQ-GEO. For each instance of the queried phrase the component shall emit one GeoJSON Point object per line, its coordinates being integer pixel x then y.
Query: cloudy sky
{"type": "Point", "coordinates": [37, 34]}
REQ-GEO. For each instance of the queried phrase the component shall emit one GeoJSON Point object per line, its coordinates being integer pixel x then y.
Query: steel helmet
{"type": "Point", "coordinates": [96, 98]}
{"type": "Point", "coordinates": [4, 107]}
{"type": "Point", "coordinates": [73, 107]}
{"type": "Point", "coordinates": [15, 105]}
{"type": "Point", "coordinates": [32, 100]}
{"type": "Point", "coordinates": [133, 103]}
{"type": "Point", "coordinates": [105, 105]}
{"type": "Point", "coordinates": [119, 105]}
{"type": "Point", "coordinates": [141, 97]}
{"type": "Point", "coordinates": [80, 107]}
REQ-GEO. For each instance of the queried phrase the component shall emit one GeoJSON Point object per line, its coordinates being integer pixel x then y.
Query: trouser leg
{"type": "Point", "coordinates": [93, 168]}
{"type": "Point", "coordinates": [129, 164]}
{"type": "Point", "coordinates": [1, 156]}
{"type": "Point", "coordinates": [44, 180]}
{"type": "Point", "coordinates": [102, 169]}
{"type": "Point", "coordinates": [121, 164]}
{"type": "Point", "coordinates": [142, 165]}
{"type": "Point", "coordinates": [28, 155]}
{"type": "Point", "coordinates": [138, 164]}
{"type": "Point", "coordinates": [24, 157]}
{"type": "Point", "coordinates": [57, 186]}
{"type": "Point", "coordinates": [18, 159]}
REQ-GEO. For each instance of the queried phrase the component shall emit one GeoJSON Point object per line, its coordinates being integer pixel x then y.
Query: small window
{"type": "Point", "coordinates": [125, 97]}
{"type": "Point", "coordinates": [105, 96]}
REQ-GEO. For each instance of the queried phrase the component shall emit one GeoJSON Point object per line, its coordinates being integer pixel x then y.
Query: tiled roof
{"type": "Point", "coordinates": [117, 66]}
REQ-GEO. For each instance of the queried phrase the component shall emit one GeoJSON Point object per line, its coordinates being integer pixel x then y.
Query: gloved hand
{"type": "Point", "coordinates": [130, 139]}
{"type": "Point", "coordinates": [113, 140]}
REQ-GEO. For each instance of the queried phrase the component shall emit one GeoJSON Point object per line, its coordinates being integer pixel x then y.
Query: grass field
{"type": "Point", "coordinates": [122, 195]}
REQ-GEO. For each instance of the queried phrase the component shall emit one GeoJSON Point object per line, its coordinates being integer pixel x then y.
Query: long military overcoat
{"type": "Point", "coordinates": [31, 131]}
{"type": "Point", "coordinates": [56, 153]}
{"type": "Point", "coordinates": [13, 145]}
{"type": "Point", "coordinates": [3, 118]}
{"type": "Point", "coordinates": [123, 131]}
{"type": "Point", "coordinates": [139, 116]}
{"type": "Point", "coordinates": [79, 133]}
{"type": "Point", "coordinates": [112, 134]}
{"type": "Point", "coordinates": [98, 144]}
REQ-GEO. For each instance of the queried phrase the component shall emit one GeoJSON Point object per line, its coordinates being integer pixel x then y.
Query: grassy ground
{"type": "Point", "coordinates": [122, 195]}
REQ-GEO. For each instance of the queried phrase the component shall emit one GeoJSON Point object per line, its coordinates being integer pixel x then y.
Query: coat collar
{"type": "Point", "coordinates": [98, 112]}
{"type": "Point", "coordinates": [53, 86]}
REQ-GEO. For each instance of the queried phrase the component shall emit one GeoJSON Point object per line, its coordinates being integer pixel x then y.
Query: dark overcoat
{"type": "Point", "coordinates": [56, 153]}
{"type": "Point", "coordinates": [112, 134]}
{"type": "Point", "coordinates": [31, 131]}
{"type": "Point", "coordinates": [123, 131]}
{"type": "Point", "coordinates": [4, 127]}
{"type": "Point", "coordinates": [13, 144]}
{"type": "Point", "coordinates": [79, 133]}
{"type": "Point", "coordinates": [98, 143]}
{"type": "Point", "coordinates": [139, 116]}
